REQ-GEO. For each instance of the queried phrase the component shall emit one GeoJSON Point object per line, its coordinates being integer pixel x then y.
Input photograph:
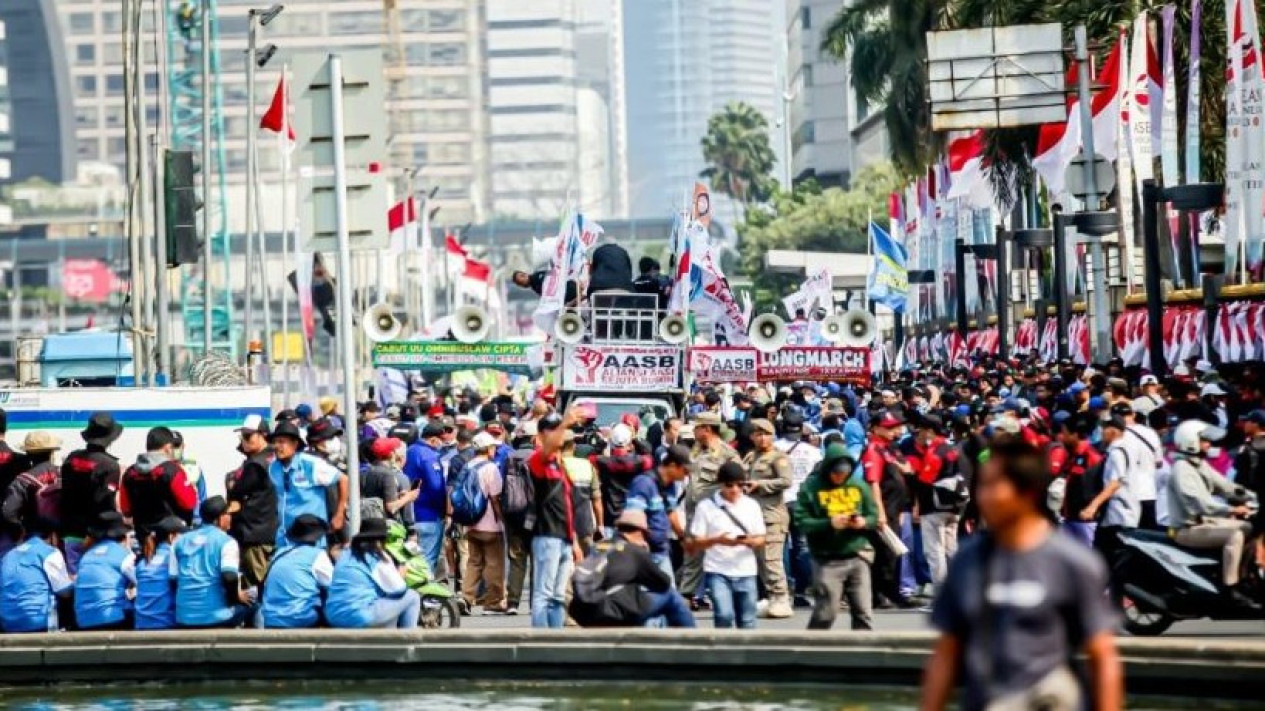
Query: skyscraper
{"type": "Point", "coordinates": [683, 61]}
{"type": "Point", "coordinates": [442, 92]}
{"type": "Point", "coordinates": [533, 131]}
{"type": "Point", "coordinates": [36, 130]}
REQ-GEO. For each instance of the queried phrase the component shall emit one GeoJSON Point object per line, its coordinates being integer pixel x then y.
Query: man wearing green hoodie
{"type": "Point", "coordinates": [836, 510]}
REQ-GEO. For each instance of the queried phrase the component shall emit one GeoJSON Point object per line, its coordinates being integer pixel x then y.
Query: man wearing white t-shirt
{"type": "Point", "coordinates": [804, 459]}
{"type": "Point", "coordinates": [1145, 450]}
{"type": "Point", "coordinates": [727, 528]}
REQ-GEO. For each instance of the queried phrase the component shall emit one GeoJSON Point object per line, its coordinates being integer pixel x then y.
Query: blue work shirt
{"type": "Point", "coordinates": [645, 493]}
{"type": "Point", "coordinates": [199, 561]}
{"type": "Point", "coordinates": [300, 488]}
{"type": "Point", "coordinates": [422, 463]}
{"type": "Point", "coordinates": [31, 575]}
{"type": "Point", "coordinates": [106, 571]}
{"type": "Point", "coordinates": [356, 585]}
{"type": "Point", "coordinates": [155, 594]}
{"type": "Point", "coordinates": [292, 590]}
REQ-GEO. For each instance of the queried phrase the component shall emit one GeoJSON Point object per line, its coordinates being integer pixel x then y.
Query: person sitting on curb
{"type": "Point", "coordinates": [155, 602]}
{"type": "Point", "coordinates": [204, 563]}
{"type": "Point", "coordinates": [620, 585]}
{"type": "Point", "coordinates": [367, 589]}
{"type": "Point", "coordinates": [107, 571]}
{"type": "Point", "coordinates": [35, 587]}
{"type": "Point", "coordinates": [298, 578]}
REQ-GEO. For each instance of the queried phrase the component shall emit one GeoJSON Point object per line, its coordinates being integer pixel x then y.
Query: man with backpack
{"type": "Point", "coordinates": [35, 493]}
{"type": "Point", "coordinates": [516, 503]}
{"type": "Point", "coordinates": [89, 484]}
{"type": "Point", "coordinates": [939, 494]}
{"type": "Point", "coordinates": [620, 585]}
{"type": "Point", "coordinates": [11, 465]}
{"type": "Point", "coordinates": [155, 486]}
{"type": "Point", "coordinates": [476, 504]}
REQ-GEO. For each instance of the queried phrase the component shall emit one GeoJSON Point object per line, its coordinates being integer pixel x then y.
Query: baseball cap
{"type": "Point", "coordinates": [434, 428]}
{"type": "Point", "coordinates": [1076, 388]}
{"type": "Point", "coordinates": [621, 436]}
{"type": "Point", "coordinates": [1122, 408]}
{"type": "Point", "coordinates": [890, 420]}
{"type": "Point", "coordinates": [1097, 403]}
{"type": "Point", "coordinates": [384, 447]}
{"type": "Point", "coordinates": [1114, 422]}
{"type": "Point", "coordinates": [483, 440]}
{"type": "Point", "coordinates": [303, 411]}
{"type": "Point", "coordinates": [676, 454]}
{"type": "Point", "coordinates": [254, 424]}
{"type": "Point", "coordinates": [549, 422]}
{"type": "Point", "coordinates": [1149, 380]}
{"type": "Point", "coordinates": [1255, 416]}
{"type": "Point", "coordinates": [1204, 366]}
{"type": "Point", "coordinates": [1211, 389]}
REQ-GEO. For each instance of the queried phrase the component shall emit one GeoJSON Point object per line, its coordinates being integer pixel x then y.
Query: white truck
{"type": "Point", "coordinates": [619, 353]}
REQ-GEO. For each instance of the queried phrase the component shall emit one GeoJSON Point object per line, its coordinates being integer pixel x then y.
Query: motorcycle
{"type": "Point", "coordinates": [440, 606]}
{"type": "Point", "coordinates": [1163, 583]}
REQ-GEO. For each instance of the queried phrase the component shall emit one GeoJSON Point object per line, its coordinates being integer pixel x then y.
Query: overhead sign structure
{"type": "Point", "coordinates": [614, 368]}
{"type": "Point", "coordinates": [364, 131]}
{"type": "Point", "coordinates": [452, 356]}
{"type": "Point", "coordinates": [994, 77]}
{"type": "Point", "coordinates": [741, 365]}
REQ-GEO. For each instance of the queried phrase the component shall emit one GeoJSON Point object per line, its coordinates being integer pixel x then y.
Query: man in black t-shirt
{"type": "Point", "coordinates": [254, 526]}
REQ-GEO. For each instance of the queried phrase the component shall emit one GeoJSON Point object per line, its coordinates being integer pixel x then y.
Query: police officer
{"type": "Point", "coordinates": [768, 476]}
{"type": "Point", "coordinates": [710, 453]}
{"type": "Point", "coordinates": [89, 484]}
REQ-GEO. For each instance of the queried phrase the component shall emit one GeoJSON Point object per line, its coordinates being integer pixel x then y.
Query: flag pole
{"type": "Point", "coordinates": [283, 136]}
{"type": "Point", "coordinates": [869, 252]}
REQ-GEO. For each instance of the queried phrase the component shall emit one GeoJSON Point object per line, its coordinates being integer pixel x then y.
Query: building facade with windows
{"type": "Point", "coordinates": [818, 98]}
{"type": "Point", "coordinates": [442, 91]}
{"type": "Point", "coordinates": [533, 119]}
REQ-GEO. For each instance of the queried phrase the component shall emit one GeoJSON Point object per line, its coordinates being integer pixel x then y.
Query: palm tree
{"type": "Point", "coordinates": [739, 157]}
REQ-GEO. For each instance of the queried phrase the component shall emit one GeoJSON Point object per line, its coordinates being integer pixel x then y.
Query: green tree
{"type": "Point", "coordinates": [810, 219]}
{"type": "Point", "coordinates": [739, 157]}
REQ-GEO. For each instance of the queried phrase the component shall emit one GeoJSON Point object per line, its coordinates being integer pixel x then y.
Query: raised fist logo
{"type": "Point", "coordinates": [590, 360]}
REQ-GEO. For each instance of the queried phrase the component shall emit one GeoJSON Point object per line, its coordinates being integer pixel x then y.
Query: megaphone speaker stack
{"type": "Point", "coordinates": [674, 329]}
{"type": "Point", "coordinates": [470, 324]}
{"type": "Point", "coordinates": [570, 327]}
{"type": "Point", "coordinates": [833, 327]}
{"type": "Point", "coordinates": [767, 333]}
{"type": "Point", "coordinates": [381, 324]}
{"type": "Point", "coordinates": [859, 329]}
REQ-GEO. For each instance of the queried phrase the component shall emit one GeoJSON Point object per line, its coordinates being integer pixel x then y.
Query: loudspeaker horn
{"type": "Point", "coordinates": [674, 329]}
{"type": "Point", "coordinates": [381, 324]}
{"type": "Point", "coordinates": [470, 324]}
{"type": "Point", "coordinates": [833, 327]}
{"type": "Point", "coordinates": [767, 333]}
{"type": "Point", "coordinates": [570, 327]}
{"type": "Point", "coordinates": [859, 328]}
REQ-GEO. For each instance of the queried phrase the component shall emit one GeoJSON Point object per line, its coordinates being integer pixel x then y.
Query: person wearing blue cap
{"type": "Point", "coordinates": [1079, 393]}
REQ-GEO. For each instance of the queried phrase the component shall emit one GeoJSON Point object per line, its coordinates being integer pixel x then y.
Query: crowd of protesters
{"type": "Point", "coordinates": [757, 500]}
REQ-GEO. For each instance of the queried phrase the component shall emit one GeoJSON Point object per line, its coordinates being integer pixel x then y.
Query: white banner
{"type": "Point", "coordinates": [590, 367]}
{"type": "Point", "coordinates": [817, 289]}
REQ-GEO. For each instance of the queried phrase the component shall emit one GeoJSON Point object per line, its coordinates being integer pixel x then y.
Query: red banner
{"type": "Point", "coordinates": [88, 280]}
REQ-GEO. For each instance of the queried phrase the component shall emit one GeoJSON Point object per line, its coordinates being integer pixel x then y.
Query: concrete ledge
{"type": "Point", "coordinates": [1187, 667]}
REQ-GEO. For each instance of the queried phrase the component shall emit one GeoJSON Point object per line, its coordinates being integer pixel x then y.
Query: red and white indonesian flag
{"type": "Point", "coordinates": [454, 256]}
{"type": "Point", "coordinates": [402, 222]}
{"type": "Point", "coordinates": [1059, 143]}
{"type": "Point", "coordinates": [968, 174]}
{"type": "Point", "coordinates": [277, 117]}
{"type": "Point", "coordinates": [476, 283]}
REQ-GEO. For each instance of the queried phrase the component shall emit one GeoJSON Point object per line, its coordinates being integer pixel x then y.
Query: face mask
{"type": "Point", "coordinates": [334, 447]}
{"type": "Point", "coordinates": [1214, 452]}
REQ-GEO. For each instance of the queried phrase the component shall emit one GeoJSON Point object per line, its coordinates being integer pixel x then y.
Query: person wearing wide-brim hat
{"type": "Point", "coordinates": [88, 479]}
{"type": "Point", "coordinates": [367, 589]}
{"type": "Point", "coordinates": [155, 601]}
{"type": "Point", "coordinates": [106, 572]}
{"type": "Point", "coordinates": [297, 579]}
{"type": "Point", "coordinates": [40, 442]}
{"type": "Point", "coordinates": [19, 499]}
{"type": "Point", "coordinates": [304, 483]}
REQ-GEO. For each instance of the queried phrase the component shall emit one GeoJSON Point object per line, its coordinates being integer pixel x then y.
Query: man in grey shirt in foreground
{"type": "Point", "coordinates": [1020, 602]}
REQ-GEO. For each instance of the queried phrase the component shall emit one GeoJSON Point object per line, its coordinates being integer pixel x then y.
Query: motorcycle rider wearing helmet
{"type": "Point", "coordinates": [1197, 519]}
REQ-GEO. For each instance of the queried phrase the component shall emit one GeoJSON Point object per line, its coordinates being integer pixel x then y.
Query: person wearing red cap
{"type": "Point", "coordinates": [381, 482]}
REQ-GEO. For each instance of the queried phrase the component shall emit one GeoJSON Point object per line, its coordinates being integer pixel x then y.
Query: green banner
{"type": "Point", "coordinates": [451, 356]}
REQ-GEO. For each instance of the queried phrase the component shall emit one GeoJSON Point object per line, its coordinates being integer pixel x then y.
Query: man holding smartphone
{"type": "Point", "coordinates": [727, 528]}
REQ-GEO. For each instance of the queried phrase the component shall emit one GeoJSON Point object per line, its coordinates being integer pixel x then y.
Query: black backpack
{"type": "Point", "coordinates": [518, 495]}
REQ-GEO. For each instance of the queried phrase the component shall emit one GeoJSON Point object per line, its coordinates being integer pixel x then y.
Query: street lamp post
{"type": "Point", "coordinates": [255, 18]}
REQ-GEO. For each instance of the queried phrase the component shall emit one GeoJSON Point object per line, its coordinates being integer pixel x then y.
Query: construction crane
{"type": "Point", "coordinates": [185, 60]}
{"type": "Point", "coordinates": [396, 75]}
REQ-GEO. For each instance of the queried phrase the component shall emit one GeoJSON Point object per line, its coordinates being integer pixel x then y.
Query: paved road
{"type": "Point", "coordinates": [896, 621]}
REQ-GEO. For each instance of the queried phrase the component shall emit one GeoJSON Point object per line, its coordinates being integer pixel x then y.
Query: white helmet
{"type": "Point", "coordinates": [1189, 434]}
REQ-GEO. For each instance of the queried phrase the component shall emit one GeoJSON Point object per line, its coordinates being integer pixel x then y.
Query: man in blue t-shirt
{"type": "Point", "coordinates": [303, 483]}
{"type": "Point", "coordinates": [204, 564]}
{"type": "Point", "coordinates": [423, 468]}
{"type": "Point", "coordinates": [654, 494]}
{"type": "Point", "coordinates": [34, 582]}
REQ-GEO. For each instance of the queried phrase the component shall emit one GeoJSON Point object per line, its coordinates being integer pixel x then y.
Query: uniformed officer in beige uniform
{"type": "Point", "coordinates": [710, 452]}
{"type": "Point", "coordinates": [768, 477]}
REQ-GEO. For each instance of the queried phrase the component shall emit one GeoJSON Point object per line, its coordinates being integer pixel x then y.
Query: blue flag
{"type": "Point", "coordinates": [888, 283]}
